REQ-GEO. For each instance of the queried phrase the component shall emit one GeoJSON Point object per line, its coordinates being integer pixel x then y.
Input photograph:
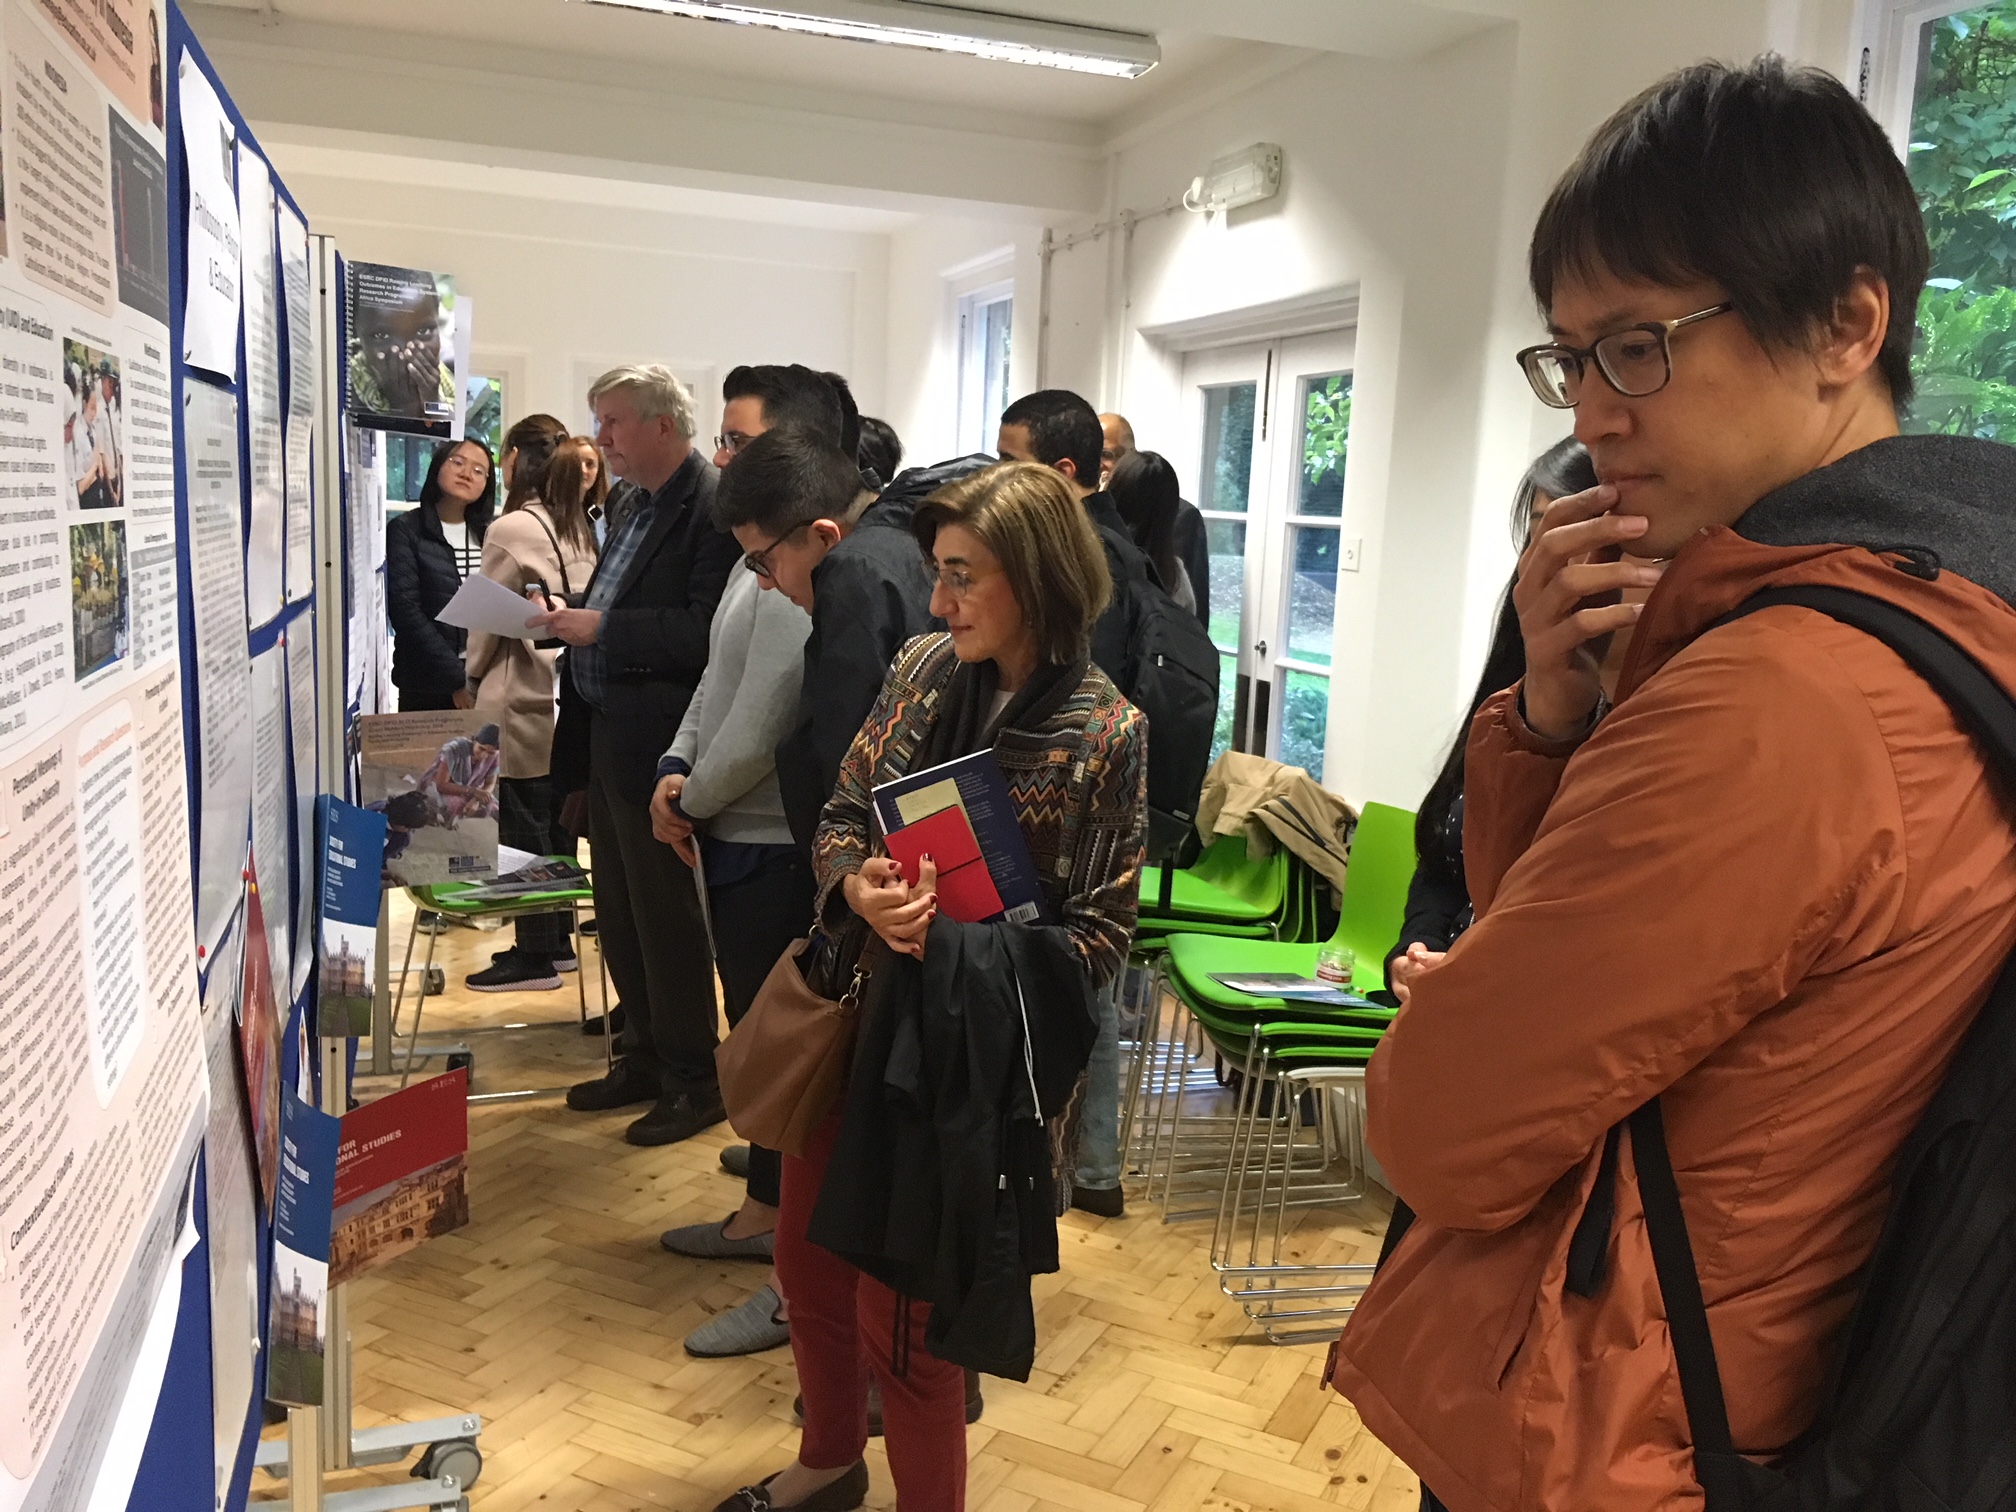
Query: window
{"type": "Point", "coordinates": [1956, 68]}
{"type": "Point", "coordinates": [1963, 164]}
{"type": "Point", "coordinates": [1274, 425]}
{"type": "Point", "coordinates": [985, 319]}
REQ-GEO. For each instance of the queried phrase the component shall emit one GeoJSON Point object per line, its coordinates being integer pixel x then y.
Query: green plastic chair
{"type": "Point", "coordinates": [1222, 887]}
{"type": "Point", "coordinates": [1374, 907]}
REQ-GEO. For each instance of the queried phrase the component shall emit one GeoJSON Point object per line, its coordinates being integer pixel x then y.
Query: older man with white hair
{"type": "Point", "coordinates": [637, 646]}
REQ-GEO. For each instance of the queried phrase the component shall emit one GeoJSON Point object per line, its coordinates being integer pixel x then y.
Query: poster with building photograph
{"type": "Point", "coordinates": [400, 1175]}
{"type": "Point", "coordinates": [297, 1330]}
{"type": "Point", "coordinates": [400, 371]}
{"type": "Point", "coordinates": [434, 778]}
{"type": "Point", "coordinates": [102, 1065]}
{"type": "Point", "coordinates": [353, 852]}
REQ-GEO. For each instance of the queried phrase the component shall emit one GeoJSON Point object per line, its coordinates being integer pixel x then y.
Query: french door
{"type": "Point", "coordinates": [1269, 425]}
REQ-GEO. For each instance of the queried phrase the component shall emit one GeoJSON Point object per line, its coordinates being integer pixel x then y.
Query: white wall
{"type": "Point", "coordinates": [565, 289]}
{"type": "Point", "coordinates": [1415, 185]}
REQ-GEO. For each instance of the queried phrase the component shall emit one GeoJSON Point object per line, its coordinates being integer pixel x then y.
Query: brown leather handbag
{"type": "Point", "coordinates": [782, 1067]}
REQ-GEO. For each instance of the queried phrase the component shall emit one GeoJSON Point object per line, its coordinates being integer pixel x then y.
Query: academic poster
{"type": "Point", "coordinates": [434, 777]}
{"type": "Point", "coordinates": [400, 371]}
{"type": "Point", "coordinates": [102, 1071]}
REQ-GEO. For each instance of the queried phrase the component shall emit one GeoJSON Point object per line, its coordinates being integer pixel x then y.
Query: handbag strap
{"type": "Point", "coordinates": [566, 586]}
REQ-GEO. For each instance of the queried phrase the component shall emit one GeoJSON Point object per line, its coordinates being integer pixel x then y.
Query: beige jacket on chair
{"type": "Point", "coordinates": [1272, 803]}
{"type": "Point", "coordinates": [513, 681]}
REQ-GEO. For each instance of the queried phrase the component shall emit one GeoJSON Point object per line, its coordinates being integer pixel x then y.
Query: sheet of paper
{"type": "Point", "coordinates": [303, 721]}
{"type": "Point", "coordinates": [265, 547]}
{"type": "Point", "coordinates": [210, 323]}
{"type": "Point", "coordinates": [223, 666]}
{"type": "Point", "coordinates": [231, 1188]}
{"type": "Point", "coordinates": [272, 839]}
{"type": "Point", "coordinates": [483, 603]}
{"type": "Point", "coordinates": [297, 299]}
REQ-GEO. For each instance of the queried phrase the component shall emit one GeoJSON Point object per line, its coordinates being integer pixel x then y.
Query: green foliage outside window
{"type": "Point", "coordinates": [1963, 164]}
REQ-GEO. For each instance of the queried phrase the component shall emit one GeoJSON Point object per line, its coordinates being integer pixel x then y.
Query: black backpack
{"type": "Point", "coordinates": [1169, 671]}
{"type": "Point", "coordinates": [1921, 1413]}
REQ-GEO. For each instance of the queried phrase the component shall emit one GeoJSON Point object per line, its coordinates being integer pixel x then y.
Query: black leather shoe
{"type": "Point", "coordinates": [843, 1495]}
{"type": "Point", "coordinates": [624, 1085]}
{"type": "Point", "coordinates": [975, 1404]}
{"type": "Point", "coordinates": [598, 1026]}
{"type": "Point", "coordinates": [677, 1116]}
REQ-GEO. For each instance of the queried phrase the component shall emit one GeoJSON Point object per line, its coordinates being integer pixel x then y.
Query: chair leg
{"type": "Point", "coordinates": [419, 1011]}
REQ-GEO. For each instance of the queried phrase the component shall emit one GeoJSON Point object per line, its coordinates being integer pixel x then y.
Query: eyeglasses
{"type": "Point", "coordinates": [957, 580]}
{"type": "Point", "coordinates": [758, 561]}
{"type": "Point", "coordinates": [1635, 361]}
{"type": "Point", "coordinates": [732, 442]}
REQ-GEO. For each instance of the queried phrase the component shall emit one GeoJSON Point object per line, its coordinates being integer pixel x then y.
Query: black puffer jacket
{"type": "Point", "coordinates": [420, 578]}
{"type": "Point", "coordinates": [869, 597]}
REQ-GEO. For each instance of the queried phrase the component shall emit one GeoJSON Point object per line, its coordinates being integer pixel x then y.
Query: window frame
{"type": "Point", "coordinates": [975, 416]}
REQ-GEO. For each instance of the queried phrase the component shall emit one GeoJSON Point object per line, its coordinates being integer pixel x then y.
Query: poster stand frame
{"type": "Point", "coordinates": [325, 1436]}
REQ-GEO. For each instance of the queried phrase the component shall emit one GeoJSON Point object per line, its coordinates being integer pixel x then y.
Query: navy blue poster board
{"type": "Point", "coordinates": [177, 1470]}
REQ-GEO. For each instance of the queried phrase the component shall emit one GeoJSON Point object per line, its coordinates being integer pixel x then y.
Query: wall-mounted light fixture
{"type": "Point", "coordinates": [1244, 178]}
{"type": "Point", "coordinates": [935, 28]}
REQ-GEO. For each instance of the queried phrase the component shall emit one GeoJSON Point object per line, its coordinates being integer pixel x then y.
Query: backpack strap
{"type": "Point", "coordinates": [558, 555]}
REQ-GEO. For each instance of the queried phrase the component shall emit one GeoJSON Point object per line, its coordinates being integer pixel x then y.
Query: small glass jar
{"type": "Point", "coordinates": [1335, 965]}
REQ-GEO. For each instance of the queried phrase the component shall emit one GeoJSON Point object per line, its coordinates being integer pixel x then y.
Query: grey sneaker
{"type": "Point", "coordinates": [749, 1329]}
{"type": "Point", "coordinates": [710, 1241]}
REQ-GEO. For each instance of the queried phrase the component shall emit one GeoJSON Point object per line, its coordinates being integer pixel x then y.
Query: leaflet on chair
{"type": "Point", "coordinates": [961, 816]}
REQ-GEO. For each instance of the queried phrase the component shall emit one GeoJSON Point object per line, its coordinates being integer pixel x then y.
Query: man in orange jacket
{"type": "Point", "coordinates": [1771, 886]}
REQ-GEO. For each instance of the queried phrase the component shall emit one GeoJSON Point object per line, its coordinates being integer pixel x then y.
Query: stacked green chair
{"type": "Point", "coordinates": [1292, 1055]}
{"type": "Point", "coordinates": [1224, 894]}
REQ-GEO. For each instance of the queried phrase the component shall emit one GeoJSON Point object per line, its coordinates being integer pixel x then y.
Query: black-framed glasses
{"type": "Point", "coordinates": [758, 561]}
{"type": "Point", "coordinates": [1635, 361]}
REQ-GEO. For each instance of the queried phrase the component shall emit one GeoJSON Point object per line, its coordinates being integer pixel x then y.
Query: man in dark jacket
{"type": "Point", "coordinates": [637, 648]}
{"type": "Point", "coordinates": [799, 514]}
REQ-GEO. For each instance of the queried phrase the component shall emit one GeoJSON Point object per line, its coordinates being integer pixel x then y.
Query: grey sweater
{"type": "Point", "coordinates": [746, 701]}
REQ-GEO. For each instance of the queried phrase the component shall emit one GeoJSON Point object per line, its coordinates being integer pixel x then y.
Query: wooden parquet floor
{"type": "Point", "coordinates": [556, 1316]}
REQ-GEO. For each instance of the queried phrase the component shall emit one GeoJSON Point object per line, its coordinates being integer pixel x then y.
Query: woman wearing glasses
{"type": "Point", "coordinates": [911, 1225]}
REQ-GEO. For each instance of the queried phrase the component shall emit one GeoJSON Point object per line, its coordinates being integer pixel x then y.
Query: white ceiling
{"type": "Point", "coordinates": [1201, 40]}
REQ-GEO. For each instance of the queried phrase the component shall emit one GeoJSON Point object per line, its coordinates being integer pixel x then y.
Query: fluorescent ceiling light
{"type": "Point", "coordinates": [935, 28]}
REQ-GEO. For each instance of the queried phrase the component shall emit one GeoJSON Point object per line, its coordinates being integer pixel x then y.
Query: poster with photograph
{"type": "Point", "coordinates": [140, 219]}
{"type": "Point", "coordinates": [94, 463]}
{"type": "Point", "coordinates": [102, 1055]}
{"type": "Point", "coordinates": [297, 1332]}
{"type": "Point", "coordinates": [434, 778]}
{"type": "Point", "coordinates": [353, 854]}
{"type": "Point", "coordinates": [400, 371]}
{"type": "Point", "coordinates": [401, 1175]}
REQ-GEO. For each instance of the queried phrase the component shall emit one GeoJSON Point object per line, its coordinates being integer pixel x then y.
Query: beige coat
{"type": "Point", "coordinates": [1275, 803]}
{"type": "Point", "coordinates": [513, 681]}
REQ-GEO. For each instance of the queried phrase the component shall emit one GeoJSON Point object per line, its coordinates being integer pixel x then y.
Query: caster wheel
{"type": "Point", "coordinates": [457, 1457]}
{"type": "Point", "coordinates": [462, 1060]}
{"type": "Point", "coordinates": [436, 983]}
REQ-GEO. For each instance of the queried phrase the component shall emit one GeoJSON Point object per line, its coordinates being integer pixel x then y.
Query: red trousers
{"type": "Point", "coordinates": [843, 1325]}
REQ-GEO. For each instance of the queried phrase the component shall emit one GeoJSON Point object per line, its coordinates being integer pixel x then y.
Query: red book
{"type": "Point", "coordinates": [966, 891]}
